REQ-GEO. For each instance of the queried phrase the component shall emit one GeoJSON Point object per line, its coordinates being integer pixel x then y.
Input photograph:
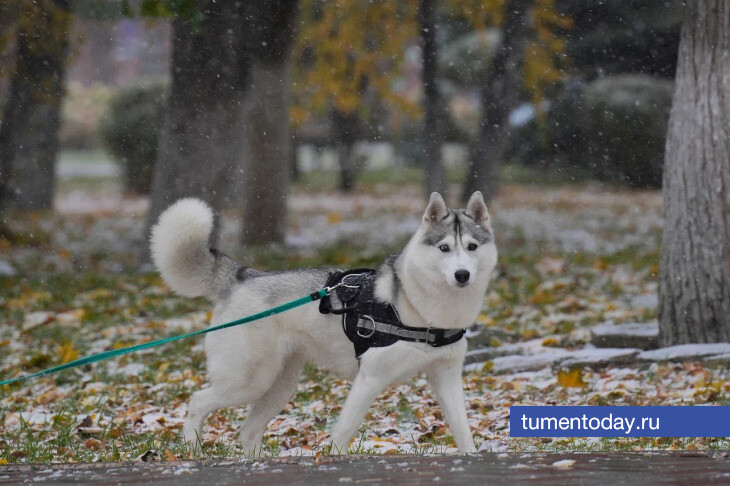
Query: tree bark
{"type": "Point", "coordinates": [266, 186]}
{"type": "Point", "coordinates": [345, 132]}
{"type": "Point", "coordinates": [694, 283]}
{"type": "Point", "coordinates": [201, 144]}
{"type": "Point", "coordinates": [499, 94]}
{"type": "Point", "coordinates": [269, 149]}
{"type": "Point", "coordinates": [433, 136]}
{"type": "Point", "coordinates": [31, 118]}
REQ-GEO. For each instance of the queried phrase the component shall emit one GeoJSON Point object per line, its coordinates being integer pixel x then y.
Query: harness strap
{"type": "Point", "coordinates": [368, 322]}
{"type": "Point", "coordinates": [431, 335]}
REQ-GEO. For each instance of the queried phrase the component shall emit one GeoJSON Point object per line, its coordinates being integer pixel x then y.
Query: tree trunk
{"type": "Point", "coordinates": [266, 186]}
{"type": "Point", "coordinates": [499, 94]}
{"type": "Point", "coordinates": [29, 130]}
{"type": "Point", "coordinates": [694, 284]}
{"type": "Point", "coordinates": [201, 144]}
{"type": "Point", "coordinates": [269, 149]}
{"type": "Point", "coordinates": [295, 171]}
{"type": "Point", "coordinates": [345, 131]}
{"type": "Point", "coordinates": [433, 137]}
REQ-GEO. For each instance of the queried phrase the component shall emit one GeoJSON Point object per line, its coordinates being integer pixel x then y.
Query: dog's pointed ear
{"type": "Point", "coordinates": [436, 209]}
{"type": "Point", "coordinates": [477, 209]}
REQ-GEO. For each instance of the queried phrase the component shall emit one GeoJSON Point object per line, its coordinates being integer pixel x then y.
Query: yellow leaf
{"type": "Point", "coordinates": [67, 352]}
{"type": "Point", "coordinates": [542, 297]}
{"type": "Point", "coordinates": [571, 378]}
{"type": "Point", "coordinates": [551, 341]}
{"type": "Point", "coordinates": [99, 293]}
{"type": "Point", "coordinates": [3, 462]}
{"type": "Point", "coordinates": [486, 320]}
{"type": "Point", "coordinates": [334, 218]}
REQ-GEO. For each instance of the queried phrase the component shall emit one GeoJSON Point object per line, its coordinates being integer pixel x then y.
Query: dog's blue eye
{"type": "Point", "coordinates": [472, 247]}
{"type": "Point", "coordinates": [444, 248]}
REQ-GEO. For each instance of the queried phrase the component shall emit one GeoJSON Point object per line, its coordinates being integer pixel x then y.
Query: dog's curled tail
{"type": "Point", "coordinates": [181, 252]}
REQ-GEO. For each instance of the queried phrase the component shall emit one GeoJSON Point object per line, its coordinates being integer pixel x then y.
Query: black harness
{"type": "Point", "coordinates": [369, 323]}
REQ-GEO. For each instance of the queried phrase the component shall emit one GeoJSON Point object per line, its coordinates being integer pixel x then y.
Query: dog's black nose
{"type": "Point", "coordinates": [462, 276]}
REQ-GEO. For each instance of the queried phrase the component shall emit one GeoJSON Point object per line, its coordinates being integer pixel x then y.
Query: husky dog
{"type": "Point", "coordinates": [438, 281]}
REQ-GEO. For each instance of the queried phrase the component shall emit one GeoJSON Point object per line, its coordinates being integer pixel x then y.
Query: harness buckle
{"type": "Point", "coordinates": [372, 331]}
{"type": "Point", "coordinates": [430, 332]}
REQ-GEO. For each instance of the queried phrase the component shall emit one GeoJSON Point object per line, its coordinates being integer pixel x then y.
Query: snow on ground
{"type": "Point", "coordinates": [570, 220]}
{"type": "Point", "coordinates": [570, 258]}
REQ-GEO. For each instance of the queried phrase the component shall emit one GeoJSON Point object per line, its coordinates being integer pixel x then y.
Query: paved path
{"type": "Point", "coordinates": [683, 468]}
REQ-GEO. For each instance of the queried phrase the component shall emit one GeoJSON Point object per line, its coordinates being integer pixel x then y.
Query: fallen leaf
{"type": "Point", "coordinates": [334, 218]}
{"type": "Point", "coordinates": [37, 319]}
{"type": "Point", "coordinates": [92, 444]}
{"type": "Point", "coordinates": [572, 378]}
{"type": "Point", "coordinates": [550, 342]}
{"type": "Point", "coordinates": [67, 352]}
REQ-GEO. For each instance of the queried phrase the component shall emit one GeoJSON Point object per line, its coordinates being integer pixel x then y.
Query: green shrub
{"type": "Point", "coordinates": [131, 130]}
{"type": "Point", "coordinates": [617, 130]}
{"type": "Point", "coordinates": [611, 130]}
{"type": "Point", "coordinates": [620, 36]}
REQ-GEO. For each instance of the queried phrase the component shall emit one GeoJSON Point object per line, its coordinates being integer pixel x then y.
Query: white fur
{"type": "Point", "coordinates": [180, 247]}
{"type": "Point", "coordinates": [259, 364]}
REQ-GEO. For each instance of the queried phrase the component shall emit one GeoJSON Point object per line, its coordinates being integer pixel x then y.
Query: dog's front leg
{"type": "Point", "coordinates": [363, 393]}
{"type": "Point", "coordinates": [449, 389]}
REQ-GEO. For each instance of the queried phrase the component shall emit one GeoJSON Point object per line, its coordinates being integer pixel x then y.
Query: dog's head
{"type": "Point", "coordinates": [455, 246]}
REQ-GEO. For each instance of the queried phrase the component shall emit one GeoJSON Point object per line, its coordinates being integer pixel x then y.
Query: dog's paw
{"type": "Point", "coordinates": [252, 448]}
{"type": "Point", "coordinates": [250, 441]}
{"type": "Point", "coordinates": [336, 449]}
{"type": "Point", "coordinates": [191, 436]}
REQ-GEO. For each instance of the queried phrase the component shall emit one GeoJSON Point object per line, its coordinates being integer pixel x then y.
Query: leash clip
{"type": "Point", "coordinates": [343, 283]}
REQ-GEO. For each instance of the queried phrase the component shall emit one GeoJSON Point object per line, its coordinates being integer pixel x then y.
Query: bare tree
{"type": "Point", "coordinates": [433, 136]}
{"type": "Point", "coordinates": [201, 142]}
{"type": "Point", "coordinates": [499, 94]}
{"type": "Point", "coordinates": [694, 285]}
{"type": "Point", "coordinates": [226, 130]}
{"type": "Point", "coordinates": [31, 118]}
{"type": "Point", "coordinates": [266, 184]}
{"type": "Point", "coordinates": [345, 132]}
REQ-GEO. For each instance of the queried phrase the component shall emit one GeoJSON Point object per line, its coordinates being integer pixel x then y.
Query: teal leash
{"type": "Point", "coordinates": [138, 347]}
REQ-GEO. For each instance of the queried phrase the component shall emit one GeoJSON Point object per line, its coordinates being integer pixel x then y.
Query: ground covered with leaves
{"type": "Point", "coordinates": [570, 258]}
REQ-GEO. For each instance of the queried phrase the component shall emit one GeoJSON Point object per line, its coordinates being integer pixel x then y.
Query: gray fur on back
{"type": "Point", "coordinates": [281, 285]}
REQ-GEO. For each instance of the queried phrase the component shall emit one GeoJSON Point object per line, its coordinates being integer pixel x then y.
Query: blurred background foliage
{"type": "Point", "coordinates": [594, 72]}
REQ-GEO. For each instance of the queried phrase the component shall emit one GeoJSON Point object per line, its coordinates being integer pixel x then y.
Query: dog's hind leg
{"type": "Point", "coordinates": [264, 409]}
{"type": "Point", "coordinates": [449, 389]}
{"type": "Point", "coordinates": [248, 384]}
{"type": "Point", "coordinates": [202, 404]}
